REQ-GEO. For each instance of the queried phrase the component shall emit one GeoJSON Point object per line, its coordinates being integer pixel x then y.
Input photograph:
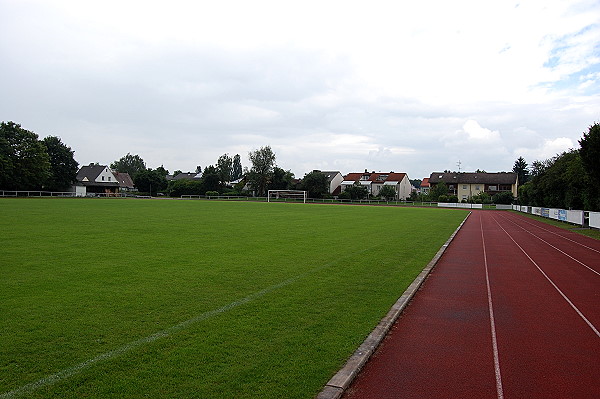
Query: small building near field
{"type": "Point", "coordinates": [95, 179]}
{"type": "Point", "coordinates": [466, 185]}
{"type": "Point", "coordinates": [374, 182]}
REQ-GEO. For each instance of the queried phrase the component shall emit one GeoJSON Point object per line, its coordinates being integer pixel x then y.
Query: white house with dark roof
{"type": "Point", "coordinates": [334, 179]}
{"type": "Point", "coordinates": [97, 179]}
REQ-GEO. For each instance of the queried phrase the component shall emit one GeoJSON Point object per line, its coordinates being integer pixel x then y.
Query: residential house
{"type": "Point", "coordinates": [425, 186]}
{"type": "Point", "coordinates": [185, 176]}
{"type": "Point", "coordinates": [466, 185]}
{"type": "Point", "coordinates": [374, 182]}
{"type": "Point", "coordinates": [334, 179]}
{"type": "Point", "coordinates": [125, 181]}
{"type": "Point", "coordinates": [95, 179]}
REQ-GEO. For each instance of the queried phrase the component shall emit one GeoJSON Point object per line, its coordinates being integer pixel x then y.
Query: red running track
{"type": "Point", "coordinates": [512, 310]}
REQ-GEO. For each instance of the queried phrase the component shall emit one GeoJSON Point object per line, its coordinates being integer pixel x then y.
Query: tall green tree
{"type": "Point", "coordinates": [281, 179]}
{"type": "Point", "coordinates": [132, 164]}
{"type": "Point", "coordinates": [24, 162]}
{"type": "Point", "coordinates": [63, 167]}
{"type": "Point", "coordinates": [237, 167]}
{"type": "Point", "coordinates": [211, 179]}
{"type": "Point", "coordinates": [261, 173]}
{"type": "Point", "coordinates": [150, 181]}
{"type": "Point", "coordinates": [225, 168]}
{"type": "Point", "coordinates": [521, 169]}
{"type": "Point", "coordinates": [590, 152]}
{"type": "Point", "coordinates": [315, 183]}
{"type": "Point", "coordinates": [438, 190]}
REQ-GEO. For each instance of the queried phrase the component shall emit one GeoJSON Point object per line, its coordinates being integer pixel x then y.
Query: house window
{"type": "Point", "coordinates": [477, 188]}
{"type": "Point", "coordinates": [464, 186]}
{"type": "Point", "coordinates": [493, 188]}
{"type": "Point", "coordinates": [365, 177]}
{"type": "Point", "coordinates": [108, 178]}
{"type": "Point", "coordinates": [102, 178]}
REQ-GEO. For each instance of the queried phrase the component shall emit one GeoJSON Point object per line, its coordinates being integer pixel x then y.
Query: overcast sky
{"type": "Point", "coordinates": [404, 86]}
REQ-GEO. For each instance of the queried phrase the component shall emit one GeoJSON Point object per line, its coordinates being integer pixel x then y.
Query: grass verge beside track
{"type": "Point", "coordinates": [248, 299]}
{"type": "Point", "coordinates": [593, 233]}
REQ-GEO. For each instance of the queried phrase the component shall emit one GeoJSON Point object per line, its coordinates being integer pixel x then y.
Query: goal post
{"type": "Point", "coordinates": [284, 195]}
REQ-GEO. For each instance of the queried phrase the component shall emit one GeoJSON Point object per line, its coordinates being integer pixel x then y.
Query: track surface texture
{"type": "Point", "coordinates": [512, 310]}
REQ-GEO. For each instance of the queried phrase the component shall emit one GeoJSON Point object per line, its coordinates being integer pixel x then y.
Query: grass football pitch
{"type": "Point", "coordinates": [197, 299]}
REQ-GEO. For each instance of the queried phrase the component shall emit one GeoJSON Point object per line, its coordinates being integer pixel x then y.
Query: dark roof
{"type": "Point", "coordinates": [92, 172]}
{"type": "Point", "coordinates": [186, 176]}
{"type": "Point", "coordinates": [330, 174]}
{"type": "Point", "coordinates": [375, 177]}
{"type": "Point", "coordinates": [472, 178]}
{"type": "Point", "coordinates": [125, 180]}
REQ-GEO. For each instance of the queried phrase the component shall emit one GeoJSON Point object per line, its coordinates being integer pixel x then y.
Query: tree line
{"type": "Point", "coordinates": [28, 163]}
{"type": "Point", "coordinates": [570, 180]}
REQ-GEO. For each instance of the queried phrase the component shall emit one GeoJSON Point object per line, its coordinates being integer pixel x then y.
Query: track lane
{"type": "Point", "coordinates": [544, 348]}
{"type": "Point", "coordinates": [573, 277]}
{"type": "Point", "coordinates": [442, 344]}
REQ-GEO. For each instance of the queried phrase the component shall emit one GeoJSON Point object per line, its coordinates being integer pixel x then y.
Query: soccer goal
{"type": "Point", "coordinates": [284, 195]}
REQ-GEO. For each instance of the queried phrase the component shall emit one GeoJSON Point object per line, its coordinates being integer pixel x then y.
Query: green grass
{"type": "Point", "coordinates": [277, 295]}
{"type": "Point", "coordinates": [593, 233]}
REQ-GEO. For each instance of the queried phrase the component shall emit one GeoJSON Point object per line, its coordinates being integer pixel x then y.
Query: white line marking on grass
{"type": "Point", "coordinates": [68, 372]}
{"type": "Point", "coordinates": [499, 389]}
{"type": "Point", "coordinates": [73, 370]}
{"type": "Point", "coordinates": [589, 323]}
{"type": "Point", "coordinates": [559, 250]}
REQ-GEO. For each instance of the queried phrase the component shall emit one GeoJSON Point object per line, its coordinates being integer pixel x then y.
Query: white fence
{"type": "Point", "coordinates": [581, 218]}
{"type": "Point", "coordinates": [460, 205]}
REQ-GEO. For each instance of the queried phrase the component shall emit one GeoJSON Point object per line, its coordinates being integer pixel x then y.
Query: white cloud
{"type": "Point", "coordinates": [337, 84]}
{"type": "Point", "coordinates": [547, 149]}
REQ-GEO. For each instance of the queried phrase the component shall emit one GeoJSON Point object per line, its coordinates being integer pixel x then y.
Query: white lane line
{"type": "Point", "coordinates": [559, 250]}
{"type": "Point", "coordinates": [560, 235]}
{"type": "Point", "coordinates": [589, 323]}
{"type": "Point", "coordinates": [499, 389]}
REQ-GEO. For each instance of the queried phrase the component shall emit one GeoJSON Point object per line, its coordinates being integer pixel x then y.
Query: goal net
{"type": "Point", "coordinates": [286, 195]}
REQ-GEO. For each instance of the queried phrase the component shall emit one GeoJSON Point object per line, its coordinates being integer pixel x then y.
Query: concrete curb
{"type": "Point", "coordinates": [344, 377]}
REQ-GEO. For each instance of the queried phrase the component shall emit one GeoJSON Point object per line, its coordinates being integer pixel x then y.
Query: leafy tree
{"type": "Point", "coordinates": [237, 167]}
{"type": "Point", "coordinates": [315, 183]}
{"type": "Point", "coordinates": [212, 179]}
{"type": "Point", "coordinates": [150, 181]}
{"type": "Point", "coordinates": [281, 179]}
{"type": "Point", "coordinates": [263, 162]}
{"type": "Point", "coordinates": [521, 169]}
{"type": "Point", "coordinates": [63, 167]}
{"type": "Point", "coordinates": [177, 188]}
{"type": "Point", "coordinates": [357, 191]}
{"type": "Point", "coordinates": [24, 162]}
{"type": "Point", "coordinates": [437, 190]}
{"type": "Point", "coordinates": [505, 197]}
{"type": "Point", "coordinates": [132, 164]}
{"type": "Point", "coordinates": [480, 171]}
{"type": "Point", "coordinates": [225, 168]}
{"type": "Point", "coordinates": [388, 192]}
{"type": "Point", "coordinates": [590, 159]}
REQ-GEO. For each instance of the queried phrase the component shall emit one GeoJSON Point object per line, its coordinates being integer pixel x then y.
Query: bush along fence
{"type": "Point", "coordinates": [581, 218]}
